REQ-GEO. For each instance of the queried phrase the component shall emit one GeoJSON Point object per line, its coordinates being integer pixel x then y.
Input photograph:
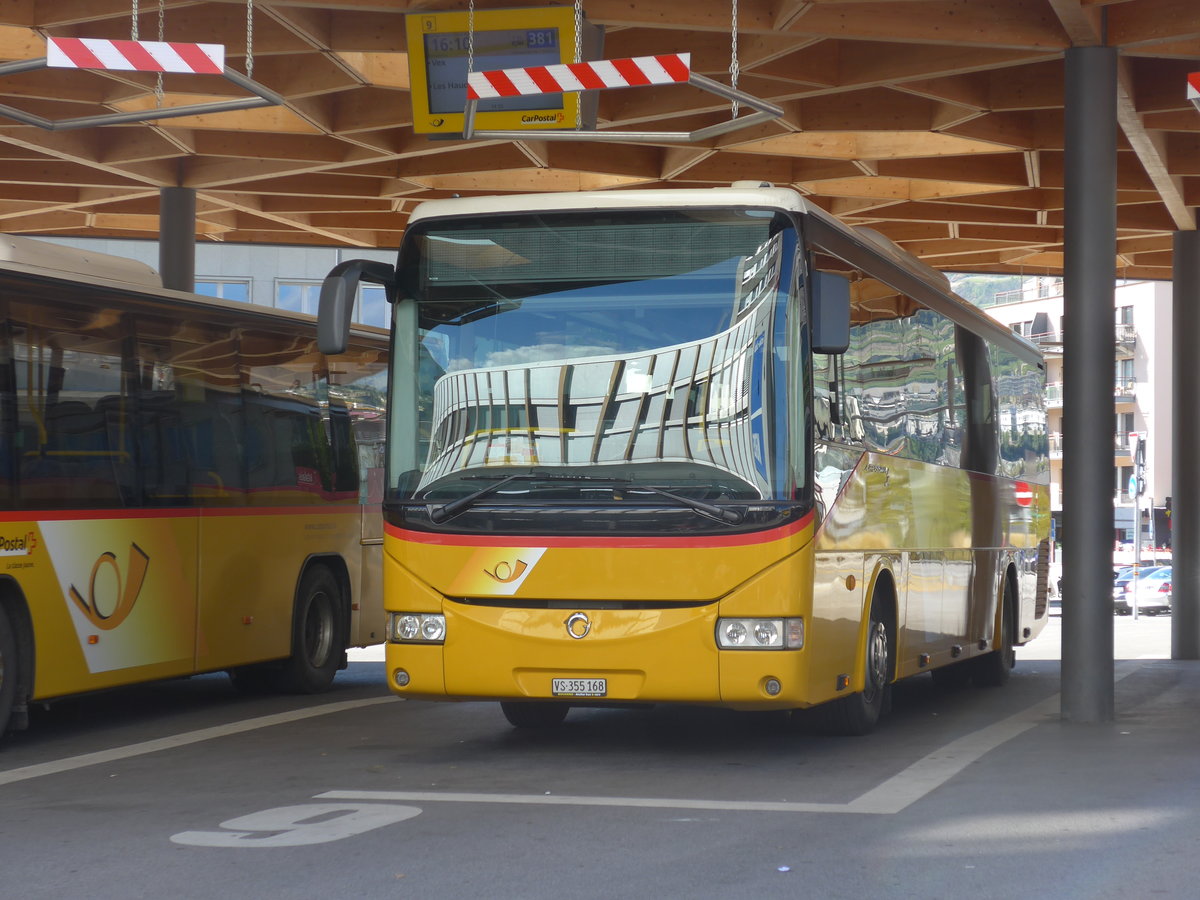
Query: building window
{"type": "Point", "coordinates": [1126, 380]}
{"type": "Point", "coordinates": [1124, 315]}
{"type": "Point", "coordinates": [1124, 473]}
{"type": "Point", "coordinates": [224, 288]}
{"type": "Point", "coordinates": [1124, 429]}
{"type": "Point", "coordinates": [1024, 329]}
{"type": "Point", "coordinates": [373, 307]}
{"type": "Point", "coordinates": [298, 296]}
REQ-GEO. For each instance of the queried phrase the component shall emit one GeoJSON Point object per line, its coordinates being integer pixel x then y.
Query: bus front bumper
{"type": "Point", "coordinates": [665, 655]}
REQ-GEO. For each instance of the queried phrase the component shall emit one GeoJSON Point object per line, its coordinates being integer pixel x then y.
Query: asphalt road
{"type": "Point", "coordinates": [187, 789]}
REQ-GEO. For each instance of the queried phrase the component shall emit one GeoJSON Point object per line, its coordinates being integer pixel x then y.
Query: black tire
{"type": "Point", "coordinates": [534, 714]}
{"type": "Point", "coordinates": [317, 640]}
{"type": "Point", "coordinates": [8, 670]}
{"type": "Point", "coordinates": [994, 669]}
{"type": "Point", "coordinates": [859, 713]}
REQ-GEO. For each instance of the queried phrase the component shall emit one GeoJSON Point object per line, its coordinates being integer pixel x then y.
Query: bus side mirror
{"type": "Point", "coordinates": [337, 299]}
{"type": "Point", "coordinates": [830, 313]}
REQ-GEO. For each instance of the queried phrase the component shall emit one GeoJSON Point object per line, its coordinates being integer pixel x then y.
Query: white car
{"type": "Point", "coordinates": [1153, 593]}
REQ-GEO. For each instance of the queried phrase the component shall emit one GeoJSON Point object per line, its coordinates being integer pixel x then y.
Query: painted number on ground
{"type": "Point", "coordinates": [295, 826]}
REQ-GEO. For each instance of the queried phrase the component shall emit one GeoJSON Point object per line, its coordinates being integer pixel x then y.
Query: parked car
{"type": "Point", "coordinates": [1153, 593]}
{"type": "Point", "coordinates": [1123, 576]}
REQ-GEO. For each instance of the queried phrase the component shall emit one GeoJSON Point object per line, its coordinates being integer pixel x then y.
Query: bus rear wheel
{"type": "Point", "coordinates": [533, 714]}
{"type": "Point", "coordinates": [8, 670]}
{"type": "Point", "coordinates": [317, 643]}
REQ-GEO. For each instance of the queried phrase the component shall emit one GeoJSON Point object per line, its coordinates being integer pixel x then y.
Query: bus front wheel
{"type": "Point", "coordinates": [995, 668]}
{"type": "Point", "coordinates": [526, 714]}
{"type": "Point", "coordinates": [8, 670]}
{"type": "Point", "coordinates": [317, 644]}
{"type": "Point", "coordinates": [859, 713]}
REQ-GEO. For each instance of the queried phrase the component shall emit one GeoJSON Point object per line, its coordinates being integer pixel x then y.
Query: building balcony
{"type": "Point", "coordinates": [1126, 338]}
{"type": "Point", "coordinates": [1049, 342]}
{"type": "Point", "coordinates": [1124, 391]}
{"type": "Point", "coordinates": [1121, 445]}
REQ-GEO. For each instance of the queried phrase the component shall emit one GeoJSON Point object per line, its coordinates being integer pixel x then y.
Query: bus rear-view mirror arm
{"type": "Point", "coordinates": [338, 290]}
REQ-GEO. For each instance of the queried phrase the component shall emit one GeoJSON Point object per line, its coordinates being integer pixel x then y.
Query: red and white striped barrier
{"type": "Point", "coordinates": [135, 56]}
{"type": "Point", "coordinates": [637, 71]}
{"type": "Point", "coordinates": [1194, 86]}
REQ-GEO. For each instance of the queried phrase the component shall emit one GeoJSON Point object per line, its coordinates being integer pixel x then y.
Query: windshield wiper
{"type": "Point", "coordinates": [439, 514]}
{"type": "Point", "coordinates": [720, 513]}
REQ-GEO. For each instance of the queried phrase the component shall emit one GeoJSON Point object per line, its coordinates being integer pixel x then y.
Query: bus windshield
{"type": "Point", "coordinates": [606, 357]}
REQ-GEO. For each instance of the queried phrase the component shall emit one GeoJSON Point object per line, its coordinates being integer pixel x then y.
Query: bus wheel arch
{"type": "Point", "coordinates": [875, 658]}
{"type": "Point", "coordinates": [320, 626]}
{"type": "Point", "coordinates": [16, 657]}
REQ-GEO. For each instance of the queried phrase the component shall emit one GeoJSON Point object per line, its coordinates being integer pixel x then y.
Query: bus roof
{"type": "Point", "coordinates": [44, 258]}
{"type": "Point", "coordinates": [27, 257]}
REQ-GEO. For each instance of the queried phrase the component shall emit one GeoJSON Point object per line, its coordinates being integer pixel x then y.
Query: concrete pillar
{"type": "Point", "coordinates": [1185, 438]}
{"type": "Point", "coordinates": [177, 238]}
{"type": "Point", "coordinates": [1089, 354]}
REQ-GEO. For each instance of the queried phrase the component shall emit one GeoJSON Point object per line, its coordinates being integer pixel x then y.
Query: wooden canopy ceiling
{"type": "Point", "coordinates": [937, 122]}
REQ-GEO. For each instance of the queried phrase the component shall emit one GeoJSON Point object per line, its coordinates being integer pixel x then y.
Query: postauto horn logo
{"type": "Point", "coordinates": [107, 612]}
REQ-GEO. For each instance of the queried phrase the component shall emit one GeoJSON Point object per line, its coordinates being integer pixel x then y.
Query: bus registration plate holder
{"type": "Point", "coordinates": [579, 687]}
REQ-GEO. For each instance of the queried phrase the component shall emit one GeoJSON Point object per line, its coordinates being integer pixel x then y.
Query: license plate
{"type": "Point", "coordinates": [579, 687]}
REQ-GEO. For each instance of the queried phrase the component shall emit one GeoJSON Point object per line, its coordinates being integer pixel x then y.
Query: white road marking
{"type": "Point", "coordinates": [887, 798]}
{"type": "Point", "coordinates": [181, 740]}
{"type": "Point", "coordinates": [893, 795]}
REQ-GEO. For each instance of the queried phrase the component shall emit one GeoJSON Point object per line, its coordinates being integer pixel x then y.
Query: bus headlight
{"type": "Point", "coordinates": [760, 634]}
{"type": "Point", "coordinates": [416, 628]}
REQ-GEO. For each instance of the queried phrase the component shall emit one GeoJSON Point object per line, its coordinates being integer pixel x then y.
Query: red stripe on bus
{"type": "Point", "coordinates": [177, 512]}
{"type": "Point", "coordinates": [597, 543]}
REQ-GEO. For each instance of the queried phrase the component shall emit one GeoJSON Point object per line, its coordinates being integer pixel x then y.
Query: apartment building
{"type": "Point", "coordinates": [1141, 392]}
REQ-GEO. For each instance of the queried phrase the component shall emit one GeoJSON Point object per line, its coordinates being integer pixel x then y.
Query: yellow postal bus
{"type": "Point", "coordinates": [186, 484]}
{"type": "Point", "coordinates": [696, 446]}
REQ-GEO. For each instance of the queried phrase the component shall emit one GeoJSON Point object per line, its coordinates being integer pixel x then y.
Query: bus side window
{"type": "Point", "coordinates": [10, 433]}
{"type": "Point", "coordinates": [65, 366]}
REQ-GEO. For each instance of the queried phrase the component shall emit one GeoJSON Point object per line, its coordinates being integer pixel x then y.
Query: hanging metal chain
{"type": "Point", "coordinates": [578, 59]}
{"type": "Point", "coordinates": [471, 37]}
{"type": "Point", "coordinates": [158, 82]}
{"type": "Point", "coordinates": [735, 68]}
{"type": "Point", "coordinates": [133, 26]}
{"type": "Point", "coordinates": [249, 38]}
